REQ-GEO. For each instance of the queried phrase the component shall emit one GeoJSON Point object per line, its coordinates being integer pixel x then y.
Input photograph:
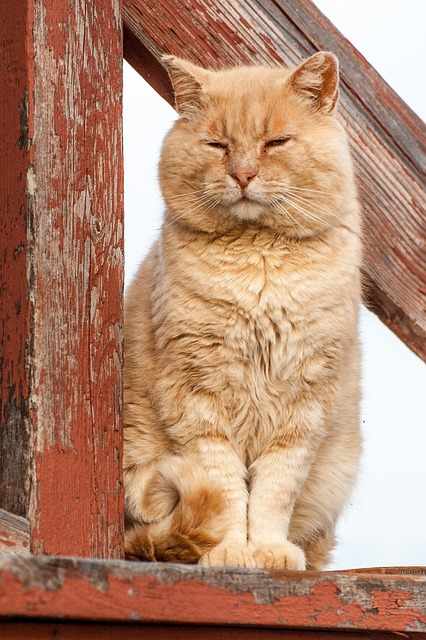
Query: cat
{"type": "Point", "coordinates": [241, 376]}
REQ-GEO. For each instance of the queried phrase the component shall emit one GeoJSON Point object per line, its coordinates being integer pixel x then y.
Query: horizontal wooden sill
{"type": "Point", "coordinates": [33, 588]}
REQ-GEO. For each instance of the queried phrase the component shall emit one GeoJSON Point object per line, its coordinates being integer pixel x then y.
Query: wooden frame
{"type": "Point", "coordinates": [61, 261]}
{"type": "Point", "coordinates": [388, 139]}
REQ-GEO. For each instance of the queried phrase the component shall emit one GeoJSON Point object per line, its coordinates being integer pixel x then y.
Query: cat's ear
{"type": "Point", "coordinates": [317, 80]}
{"type": "Point", "coordinates": [187, 80]}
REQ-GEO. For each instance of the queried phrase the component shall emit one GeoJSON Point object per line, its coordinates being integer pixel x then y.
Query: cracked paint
{"type": "Point", "coordinates": [120, 591]}
{"type": "Point", "coordinates": [62, 274]}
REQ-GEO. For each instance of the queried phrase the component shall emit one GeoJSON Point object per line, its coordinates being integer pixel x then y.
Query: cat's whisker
{"type": "Point", "coordinates": [200, 203]}
{"type": "Point", "coordinates": [319, 208]}
{"type": "Point", "coordinates": [195, 206]}
{"type": "Point", "coordinates": [185, 195]}
{"type": "Point", "coordinates": [197, 203]}
{"type": "Point", "coordinates": [194, 202]}
{"type": "Point", "coordinates": [213, 205]}
{"type": "Point", "coordinates": [312, 216]}
{"type": "Point", "coordinates": [281, 207]}
{"type": "Point", "coordinates": [317, 191]}
{"type": "Point", "coordinates": [290, 188]}
{"type": "Point", "coordinates": [307, 213]}
{"type": "Point", "coordinates": [190, 201]}
{"type": "Point", "coordinates": [172, 219]}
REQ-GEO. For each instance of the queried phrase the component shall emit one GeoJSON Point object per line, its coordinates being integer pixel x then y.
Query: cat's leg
{"type": "Point", "coordinates": [190, 500]}
{"type": "Point", "coordinates": [275, 481]}
{"type": "Point", "coordinates": [225, 468]}
{"type": "Point", "coordinates": [332, 475]}
{"type": "Point", "coordinates": [198, 425]}
{"type": "Point", "coordinates": [326, 491]}
{"type": "Point", "coordinates": [299, 484]}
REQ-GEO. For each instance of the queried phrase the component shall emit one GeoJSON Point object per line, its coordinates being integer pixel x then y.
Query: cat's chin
{"type": "Point", "coordinates": [247, 210]}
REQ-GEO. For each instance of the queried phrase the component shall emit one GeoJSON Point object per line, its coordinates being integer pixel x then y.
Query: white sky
{"type": "Point", "coordinates": [385, 524]}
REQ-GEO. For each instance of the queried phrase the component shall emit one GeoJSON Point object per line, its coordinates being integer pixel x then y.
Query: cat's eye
{"type": "Point", "coordinates": [217, 145]}
{"type": "Point", "coordinates": [277, 143]}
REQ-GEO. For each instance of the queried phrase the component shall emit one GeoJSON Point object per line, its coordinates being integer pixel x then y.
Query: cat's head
{"type": "Point", "coordinates": [256, 146]}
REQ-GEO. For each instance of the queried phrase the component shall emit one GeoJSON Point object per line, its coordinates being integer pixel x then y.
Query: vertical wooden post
{"type": "Point", "coordinates": [14, 161]}
{"type": "Point", "coordinates": [61, 255]}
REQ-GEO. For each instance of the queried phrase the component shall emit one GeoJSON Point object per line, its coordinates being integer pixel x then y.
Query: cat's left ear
{"type": "Point", "coordinates": [317, 80]}
{"type": "Point", "coordinates": [187, 80]}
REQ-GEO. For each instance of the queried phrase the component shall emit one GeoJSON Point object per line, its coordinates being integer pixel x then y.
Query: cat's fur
{"type": "Point", "coordinates": [242, 356]}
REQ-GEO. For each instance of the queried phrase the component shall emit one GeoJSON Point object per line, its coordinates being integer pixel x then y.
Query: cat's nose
{"type": "Point", "coordinates": [243, 175]}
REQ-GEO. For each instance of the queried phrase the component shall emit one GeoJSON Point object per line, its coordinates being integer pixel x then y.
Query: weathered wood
{"type": "Point", "coordinates": [120, 591]}
{"type": "Point", "coordinates": [62, 273]}
{"type": "Point", "coordinates": [14, 317]}
{"type": "Point", "coordinates": [393, 571]}
{"type": "Point", "coordinates": [388, 139]}
{"type": "Point", "coordinates": [86, 631]}
{"type": "Point", "coordinates": [14, 533]}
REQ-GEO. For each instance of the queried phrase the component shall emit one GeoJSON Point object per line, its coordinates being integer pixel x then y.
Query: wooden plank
{"type": "Point", "coordinates": [86, 631]}
{"type": "Point", "coordinates": [388, 139]}
{"type": "Point", "coordinates": [119, 591]}
{"type": "Point", "coordinates": [14, 533]}
{"type": "Point", "coordinates": [62, 261]}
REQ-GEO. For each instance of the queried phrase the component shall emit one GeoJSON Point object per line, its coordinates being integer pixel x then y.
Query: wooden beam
{"type": "Point", "coordinates": [62, 273]}
{"type": "Point", "coordinates": [388, 139]}
{"type": "Point", "coordinates": [118, 591]}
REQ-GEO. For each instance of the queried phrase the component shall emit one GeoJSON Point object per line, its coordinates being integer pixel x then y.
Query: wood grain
{"type": "Point", "coordinates": [62, 255]}
{"type": "Point", "coordinates": [388, 139]}
{"type": "Point", "coordinates": [119, 591]}
{"type": "Point", "coordinates": [14, 533]}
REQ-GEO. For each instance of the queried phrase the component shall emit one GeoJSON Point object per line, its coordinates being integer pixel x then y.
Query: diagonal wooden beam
{"type": "Point", "coordinates": [388, 139]}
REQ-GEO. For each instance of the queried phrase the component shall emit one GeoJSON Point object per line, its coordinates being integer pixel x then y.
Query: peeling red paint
{"type": "Point", "coordinates": [62, 231]}
{"type": "Point", "coordinates": [396, 604]}
{"type": "Point", "coordinates": [78, 260]}
{"type": "Point", "coordinates": [15, 307]}
{"type": "Point", "coordinates": [118, 592]}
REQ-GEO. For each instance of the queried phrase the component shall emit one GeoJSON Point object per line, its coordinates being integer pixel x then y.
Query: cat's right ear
{"type": "Point", "coordinates": [187, 80]}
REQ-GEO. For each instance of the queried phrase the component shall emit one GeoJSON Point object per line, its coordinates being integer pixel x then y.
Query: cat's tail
{"type": "Point", "coordinates": [186, 515]}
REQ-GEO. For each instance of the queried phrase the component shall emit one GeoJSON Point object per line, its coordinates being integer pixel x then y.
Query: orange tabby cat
{"type": "Point", "coordinates": [242, 358]}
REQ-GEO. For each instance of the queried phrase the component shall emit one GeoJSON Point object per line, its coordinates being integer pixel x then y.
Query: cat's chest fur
{"type": "Point", "coordinates": [262, 286]}
{"type": "Point", "coordinates": [274, 312]}
{"type": "Point", "coordinates": [269, 309]}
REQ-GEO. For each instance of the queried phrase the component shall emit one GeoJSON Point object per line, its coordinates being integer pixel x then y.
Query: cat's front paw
{"type": "Point", "coordinates": [279, 556]}
{"type": "Point", "coordinates": [228, 555]}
